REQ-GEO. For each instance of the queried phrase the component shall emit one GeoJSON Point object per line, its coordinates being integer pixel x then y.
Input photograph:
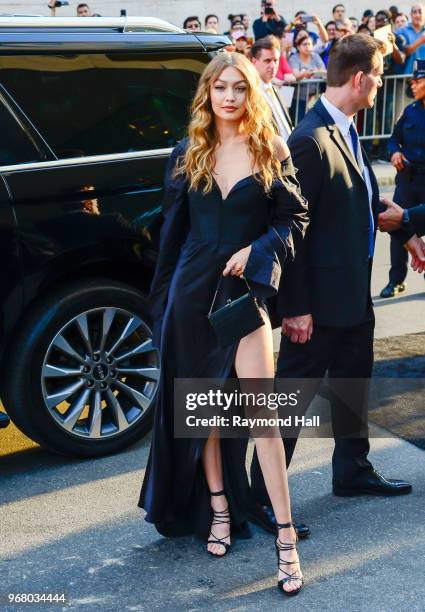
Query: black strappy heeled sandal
{"type": "Point", "coordinates": [221, 517]}
{"type": "Point", "coordinates": [283, 546]}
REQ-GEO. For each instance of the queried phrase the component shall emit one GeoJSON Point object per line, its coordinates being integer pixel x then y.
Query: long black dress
{"type": "Point", "coordinates": [200, 233]}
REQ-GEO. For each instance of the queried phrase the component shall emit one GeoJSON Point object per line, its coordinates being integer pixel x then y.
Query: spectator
{"type": "Point", "coordinates": [306, 65]}
{"type": "Point", "coordinates": [265, 54]}
{"type": "Point", "coordinates": [382, 18]}
{"type": "Point", "coordinates": [393, 12]}
{"type": "Point", "coordinates": [343, 29]}
{"type": "Point", "coordinates": [368, 13]}
{"type": "Point", "coordinates": [192, 24]}
{"type": "Point", "coordinates": [83, 10]}
{"type": "Point", "coordinates": [401, 20]}
{"type": "Point", "coordinates": [211, 23]}
{"type": "Point", "coordinates": [240, 40]}
{"type": "Point", "coordinates": [338, 12]}
{"type": "Point", "coordinates": [269, 21]}
{"type": "Point", "coordinates": [323, 49]}
{"type": "Point", "coordinates": [284, 74]}
{"type": "Point", "coordinates": [363, 29]}
{"type": "Point", "coordinates": [300, 25]}
{"type": "Point", "coordinates": [393, 63]}
{"type": "Point", "coordinates": [235, 24]}
{"type": "Point", "coordinates": [414, 36]}
{"type": "Point", "coordinates": [246, 24]}
{"type": "Point", "coordinates": [371, 23]}
{"type": "Point", "coordinates": [354, 24]}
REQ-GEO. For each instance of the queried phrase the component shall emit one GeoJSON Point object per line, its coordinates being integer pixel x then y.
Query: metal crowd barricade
{"type": "Point", "coordinates": [375, 123]}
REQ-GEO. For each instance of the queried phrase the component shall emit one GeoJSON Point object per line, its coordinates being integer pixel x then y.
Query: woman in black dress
{"type": "Point", "coordinates": [232, 206]}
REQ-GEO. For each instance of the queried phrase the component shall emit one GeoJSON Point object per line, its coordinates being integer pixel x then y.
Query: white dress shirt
{"type": "Point", "coordinates": [343, 122]}
{"type": "Point", "coordinates": [279, 117]}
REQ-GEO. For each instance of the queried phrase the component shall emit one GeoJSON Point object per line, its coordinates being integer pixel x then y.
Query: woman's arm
{"type": "Point", "coordinates": [321, 29]}
{"type": "Point", "coordinates": [173, 234]}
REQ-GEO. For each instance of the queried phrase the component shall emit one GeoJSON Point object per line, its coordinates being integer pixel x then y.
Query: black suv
{"type": "Point", "coordinates": [89, 112]}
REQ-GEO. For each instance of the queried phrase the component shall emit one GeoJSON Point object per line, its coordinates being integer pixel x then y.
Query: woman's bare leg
{"type": "Point", "coordinates": [254, 359]}
{"type": "Point", "coordinates": [211, 459]}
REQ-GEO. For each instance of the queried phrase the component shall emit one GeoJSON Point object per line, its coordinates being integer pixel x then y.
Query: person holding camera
{"type": "Point", "coordinates": [300, 23]}
{"type": "Point", "coordinates": [269, 22]}
{"type": "Point", "coordinates": [83, 10]}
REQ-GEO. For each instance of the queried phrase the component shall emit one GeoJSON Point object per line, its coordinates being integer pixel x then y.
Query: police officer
{"type": "Point", "coordinates": [407, 149]}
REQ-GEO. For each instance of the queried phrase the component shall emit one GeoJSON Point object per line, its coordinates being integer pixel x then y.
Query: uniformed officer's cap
{"type": "Point", "coordinates": [418, 69]}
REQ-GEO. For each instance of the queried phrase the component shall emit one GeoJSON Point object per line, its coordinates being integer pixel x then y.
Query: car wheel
{"type": "Point", "coordinates": [83, 373]}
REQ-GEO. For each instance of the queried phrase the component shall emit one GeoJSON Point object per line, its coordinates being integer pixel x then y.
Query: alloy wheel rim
{"type": "Point", "coordinates": [100, 373]}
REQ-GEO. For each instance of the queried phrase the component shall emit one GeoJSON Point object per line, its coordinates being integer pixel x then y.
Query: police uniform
{"type": "Point", "coordinates": [408, 138]}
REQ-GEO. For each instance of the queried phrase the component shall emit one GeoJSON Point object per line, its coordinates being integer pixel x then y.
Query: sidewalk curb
{"type": "Point", "coordinates": [385, 174]}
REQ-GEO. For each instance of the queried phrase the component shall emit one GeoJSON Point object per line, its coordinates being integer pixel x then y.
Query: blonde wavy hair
{"type": "Point", "coordinates": [198, 162]}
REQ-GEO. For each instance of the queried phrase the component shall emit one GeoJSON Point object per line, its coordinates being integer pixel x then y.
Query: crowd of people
{"type": "Point", "coordinates": [306, 42]}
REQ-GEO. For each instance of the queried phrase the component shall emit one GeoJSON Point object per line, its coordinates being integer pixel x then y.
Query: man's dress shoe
{"type": "Point", "coordinates": [264, 517]}
{"type": "Point", "coordinates": [392, 289]}
{"type": "Point", "coordinates": [370, 482]}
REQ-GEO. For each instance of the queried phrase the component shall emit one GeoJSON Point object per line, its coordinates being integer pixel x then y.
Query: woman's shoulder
{"type": "Point", "coordinates": [180, 147]}
{"type": "Point", "coordinates": [281, 149]}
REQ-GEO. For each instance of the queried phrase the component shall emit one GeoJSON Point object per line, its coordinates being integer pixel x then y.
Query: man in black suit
{"type": "Point", "coordinates": [324, 296]}
{"type": "Point", "coordinates": [265, 55]}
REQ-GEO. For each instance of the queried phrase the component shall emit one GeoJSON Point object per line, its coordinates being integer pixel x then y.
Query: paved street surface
{"type": "Point", "coordinates": [73, 526]}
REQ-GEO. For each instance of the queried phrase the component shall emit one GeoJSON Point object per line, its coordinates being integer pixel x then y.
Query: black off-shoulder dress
{"type": "Point", "coordinates": [199, 234]}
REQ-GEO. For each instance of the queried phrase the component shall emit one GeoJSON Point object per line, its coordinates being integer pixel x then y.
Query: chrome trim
{"type": "Point", "coordinates": [89, 159]}
{"type": "Point", "coordinates": [126, 24]}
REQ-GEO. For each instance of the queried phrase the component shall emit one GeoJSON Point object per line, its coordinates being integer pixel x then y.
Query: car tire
{"type": "Point", "coordinates": [26, 391]}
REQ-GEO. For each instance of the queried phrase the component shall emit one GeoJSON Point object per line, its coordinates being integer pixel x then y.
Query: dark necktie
{"type": "Point", "coordinates": [356, 148]}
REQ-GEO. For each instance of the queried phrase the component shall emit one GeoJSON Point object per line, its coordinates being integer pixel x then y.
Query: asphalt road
{"type": "Point", "coordinates": [72, 527]}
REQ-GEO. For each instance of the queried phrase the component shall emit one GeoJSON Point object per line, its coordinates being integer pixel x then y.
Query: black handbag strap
{"type": "Point", "coordinates": [218, 288]}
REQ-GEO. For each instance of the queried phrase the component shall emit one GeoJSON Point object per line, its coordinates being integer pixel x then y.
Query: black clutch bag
{"type": "Point", "coordinates": [236, 319]}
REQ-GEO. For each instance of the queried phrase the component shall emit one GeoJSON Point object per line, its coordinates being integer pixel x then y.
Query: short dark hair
{"type": "Point", "coordinates": [300, 37]}
{"type": "Point", "coordinates": [337, 6]}
{"type": "Point", "coordinates": [208, 17]}
{"type": "Point", "coordinates": [268, 42]}
{"type": "Point", "coordinates": [383, 12]}
{"type": "Point", "coordinates": [363, 28]}
{"type": "Point", "coordinates": [368, 13]}
{"type": "Point", "coordinates": [350, 55]}
{"type": "Point", "coordinates": [331, 22]}
{"type": "Point", "coordinates": [192, 18]}
{"type": "Point", "coordinates": [82, 5]}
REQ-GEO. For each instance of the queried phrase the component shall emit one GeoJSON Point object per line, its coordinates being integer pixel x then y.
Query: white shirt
{"type": "Point", "coordinates": [343, 123]}
{"type": "Point", "coordinates": [279, 117]}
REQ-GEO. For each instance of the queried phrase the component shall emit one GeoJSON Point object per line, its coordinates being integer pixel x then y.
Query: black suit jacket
{"type": "Point", "coordinates": [417, 219]}
{"type": "Point", "coordinates": [330, 277]}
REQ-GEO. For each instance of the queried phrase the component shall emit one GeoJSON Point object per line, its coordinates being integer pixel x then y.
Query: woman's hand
{"type": "Point", "coordinates": [236, 264]}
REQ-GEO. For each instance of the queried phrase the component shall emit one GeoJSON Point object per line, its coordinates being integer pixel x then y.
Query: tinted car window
{"type": "Point", "coordinates": [15, 147]}
{"type": "Point", "coordinates": [98, 104]}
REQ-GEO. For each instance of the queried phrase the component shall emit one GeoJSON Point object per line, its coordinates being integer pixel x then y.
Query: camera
{"type": "Point", "coordinates": [60, 3]}
{"type": "Point", "coordinates": [269, 10]}
{"type": "Point", "coordinates": [306, 18]}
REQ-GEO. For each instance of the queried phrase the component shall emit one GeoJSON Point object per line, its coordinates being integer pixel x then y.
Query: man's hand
{"type": "Point", "coordinates": [298, 329]}
{"type": "Point", "coordinates": [416, 248]}
{"type": "Point", "coordinates": [391, 219]}
{"type": "Point", "coordinates": [397, 160]}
